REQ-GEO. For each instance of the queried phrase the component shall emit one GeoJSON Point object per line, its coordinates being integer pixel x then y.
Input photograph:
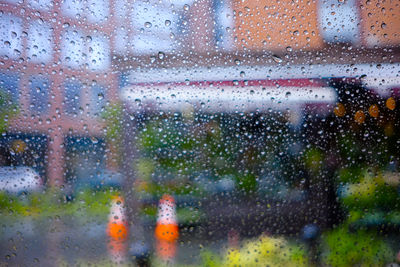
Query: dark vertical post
{"type": "Point", "coordinates": [139, 248]}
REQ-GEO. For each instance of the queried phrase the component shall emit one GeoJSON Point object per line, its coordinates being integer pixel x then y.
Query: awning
{"type": "Point", "coordinates": [228, 96]}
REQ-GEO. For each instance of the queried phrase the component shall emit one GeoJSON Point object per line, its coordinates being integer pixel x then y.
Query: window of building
{"type": "Point", "coordinates": [98, 100]}
{"type": "Point", "coordinates": [98, 52]}
{"type": "Point", "coordinates": [73, 8]}
{"type": "Point", "coordinates": [339, 21]}
{"type": "Point", "coordinates": [40, 42]}
{"type": "Point", "coordinates": [72, 97]}
{"type": "Point", "coordinates": [73, 48]}
{"type": "Point", "coordinates": [94, 11]}
{"type": "Point", "coordinates": [91, 51]}
{"type": "Point", "coordinates": [40, 4]}
{"type": "Point", "coordinates": [121, 41]}
{"type": "Point", "coordinates": [86, 161]}
{"type": "Point", "coordinates": [9, 84]}
{"type": "Point", "coordinates": [223, 24]}
{"type": "Point", "coordinates": [121, 10]}
{"type": "Point", "coordinates": [10, 36]}
{"type": "Point", "coordinates": [157, 26]}
{"type": "Point", "coordinates": [98, 10]}
{"type": "Point", "coordinates": [39, 94]}
{"type": "Point", "coordinates": [123, 79]}
{"type": "Point", "coordinates": [12, 1]}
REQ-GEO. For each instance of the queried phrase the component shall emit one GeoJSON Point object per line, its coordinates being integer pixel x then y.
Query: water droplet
{"type": "Point", "coordinates": [237, 62]}
{"type": "Point", "coordinates": [186, 7]}
{"type": "Point", "coordinates": [161, 55]}
{"type": "Point", "coordinates": [289, 49]}
{"type": "Point", "coordinates": [167, 23]}
{"type": "Point", "coordinates": [148, 24]}
{"type": "Point", "coordinates": [277, 59]}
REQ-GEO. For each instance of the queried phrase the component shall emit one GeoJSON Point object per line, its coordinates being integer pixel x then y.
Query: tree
{"type": "Point", "coordinates": [8, 109]}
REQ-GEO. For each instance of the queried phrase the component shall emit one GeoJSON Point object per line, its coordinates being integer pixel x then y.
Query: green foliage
{"type": "Point", "coordinates": [8, 109]}
{"type": "Point", "coordinates": [113, 116]}
{"type": "Point", "coordinates": [361, 248]}
{"type": "Point", "coordinates": [247, 182]}
{"type": "Point", "coordinates": [210, 259]}
{"type": "Point", "coordinates": [94, 203]}
{"type": "Point", "coordinates": [350, 174]}
{"type": "Point", "coordinates": [11, 205]}
{"type": "Point", "coordinates": [50, 203]}
{"type": "Point", "coordinates": [174, 150]}
{"type": "Point", "coordinates": [370, 192]}
{"type": "Point", "coordinates": [313, 159]}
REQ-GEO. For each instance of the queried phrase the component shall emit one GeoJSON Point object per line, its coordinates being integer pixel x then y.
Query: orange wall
{"type": "Point", "coordinates": [276, 24]}
{"type": "Point", "coordinates": [380, 22]}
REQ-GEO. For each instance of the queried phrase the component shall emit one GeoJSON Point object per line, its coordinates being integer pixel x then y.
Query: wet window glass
{"type": "Point", "coordinates": [199, 133]}
{"type": "Point", "coordinates": [39, 94]}
{"type": "Point", "coordinates": [9, 86]}
{"type": "Point", "coordinates": [72, 97]}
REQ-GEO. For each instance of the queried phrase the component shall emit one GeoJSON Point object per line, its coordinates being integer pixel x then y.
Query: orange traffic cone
{"type": "Point", "coordinates": [166, 232]}
{"type": "Point", "coordinates": [117, 230]}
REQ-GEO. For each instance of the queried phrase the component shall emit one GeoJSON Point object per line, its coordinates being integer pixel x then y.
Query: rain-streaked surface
{"type": "Point", "coordinates": [199, 133]}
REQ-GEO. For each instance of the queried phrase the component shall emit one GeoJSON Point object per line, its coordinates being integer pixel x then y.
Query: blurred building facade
{"type": "Point", "coordinates": [63, 62]}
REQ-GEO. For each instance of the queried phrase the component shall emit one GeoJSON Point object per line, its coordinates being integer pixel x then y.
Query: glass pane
{"type": "Point", "coordinates": [72, 97]}
{"type": "Point", "coordinates": [98, 10]}
{"type": "Point", "coordinates": [199, 133]}
{"type": "Point", "coordinates": [73, 8]}
{"type": "Point", "coordinates": [40, 4]}
{"type": "Point", "coordinates": [157, 27]}
{"type": "Point", "coordinates": [98, 52]}
{"type": "Point", "coordinates": [98, 99]}
{"type": "Point", "coordinates": [73, 48]}
{"type": "Point", "coordinates": [10, 36]}
{"type": "Point", "coordinates": [39, 94]}
{"type": "Point", "coordinates": [40, 42]}
{"type": "Point", "coordinates": [339, 21]}
{"type": "Point", "coordinates": [9, 84]}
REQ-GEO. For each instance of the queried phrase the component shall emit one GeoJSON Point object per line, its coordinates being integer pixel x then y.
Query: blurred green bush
{"type": "Point", "coordinates": [360, 248]}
